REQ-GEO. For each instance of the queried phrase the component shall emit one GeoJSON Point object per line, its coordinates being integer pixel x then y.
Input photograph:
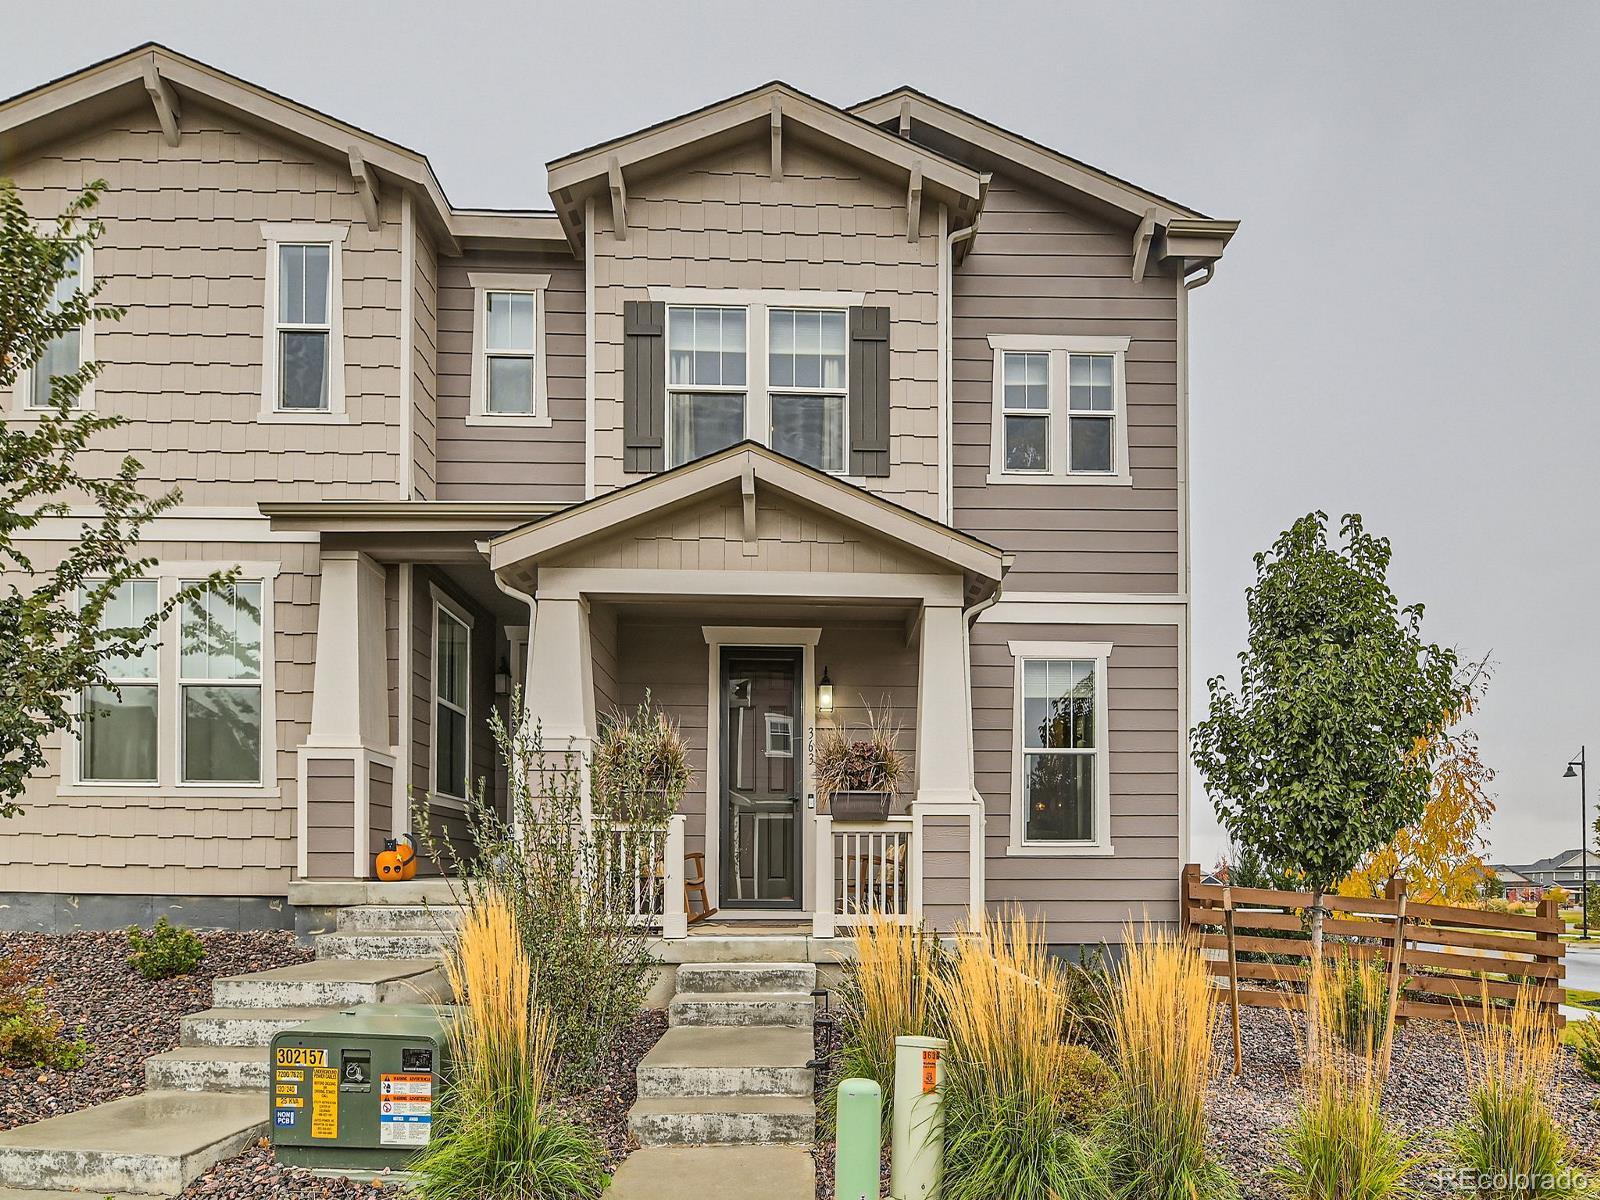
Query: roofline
{"type": "Point", "coordinates": [1016, 147]}
{"type": "Point", "coordinates": [381, 516]}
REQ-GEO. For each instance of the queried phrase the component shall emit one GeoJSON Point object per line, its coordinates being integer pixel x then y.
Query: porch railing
{"type": "Point", "coordinates": [646, 868]}
{"type": "Point", "coordinates": [862, 866]}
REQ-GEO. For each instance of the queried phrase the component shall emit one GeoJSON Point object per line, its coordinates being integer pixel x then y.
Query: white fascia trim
{"type": "Point", "coordinates": [1060, 348]}
{"type": "Point", "coordinates": [760, 635]}
{"type": "Point", "coordinates": [22, 386]}
{"type": "Point", "coordinates": [333, 236]}
{"type": "Point", "coordinates": [1100, 654]}
{"type": "Point", "coordinates": [482, 283]}
{"type": "Point", "coordinates": [1011, 610]}
{"type": "Point", "coordinates": [589, 403]}
{"type": "Point", "coordinates": [770, 297]}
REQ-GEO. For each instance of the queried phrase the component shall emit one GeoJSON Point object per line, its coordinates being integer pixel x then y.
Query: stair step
{"type": "Point", "coordinates": [741, 1008]}
{"type": "Point", "coordinates": [332, 983]}
{"type": "Point", "coordinates": [399, 918]}
{"type": "Point", "coordinates": [416, 944]}
{"type": "Point", "coordinates": [721, 1061]}
{"type": "Point", "coordinates": [150, 1144]}
{"type": "Point", "coordinates": [739, 948]}
{"type": "Point", "coordinates": [242, 1026]}
{"type": "Point", "coordinates": [747, 977]}
{"type": "Point", "coordinates": [721, 1120]}
{"type": "Point", "coordinates": [207, 1069]}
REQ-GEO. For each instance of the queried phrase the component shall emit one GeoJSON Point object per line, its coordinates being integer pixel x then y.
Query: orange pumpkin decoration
{"type": "Point", "coordinates": [397, 862]}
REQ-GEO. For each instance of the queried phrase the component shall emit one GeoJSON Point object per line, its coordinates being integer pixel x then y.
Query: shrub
{"type": "Point", "coordinates": [1584, 1038]}
{"type": "Point", "coordinates": [866, 760]}
{"type": "Point", "coordinates": [1511, 1133]}
{"type": "Point", "coordinates": [30, 1035]}
{"type": "Point", "coordinates": [1163, 1014]}
{"type": "Point", "coordinates": [1087, 1089]}
{"type": "Point", "coordinates": [887, 993]}
{"type": "Point", "coordinates": [1008, 1070]}
{"type": "Point", "coordinates": [641, 762]}
{"type": "Point", "coordinates": [1357, 1005]}
{"type": "Point", "coordinates": [166, 952]}
{"type": "Point", "coordinates": [496, 1134]}
{"type": "Point", "coordinates": [569, 882]}
{"type": "Point", "coordinates": [1088, 987]}
{"type": "Point", "coordinates": [1339, 1147]}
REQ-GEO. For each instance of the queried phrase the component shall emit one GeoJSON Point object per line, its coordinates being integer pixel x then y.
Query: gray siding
{"type": "Point", "coordinates": [424, 368]}
{"type": "Point", "coordinates": [499, 462]}
{"type": "Point", "coordinates": [330, 817]}
{"type": "Point", "coordinates": [946, 872]}
{"type": "Point", "coordinates": [1038, 266]}
{"type": "Point", "coordinates": [380, 807]}
{"type": "Point", "coordinates": [1086, 900]}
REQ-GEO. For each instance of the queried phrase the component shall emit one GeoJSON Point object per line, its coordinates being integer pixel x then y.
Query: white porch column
{"type": "Point", "coordinates": [560, 684]}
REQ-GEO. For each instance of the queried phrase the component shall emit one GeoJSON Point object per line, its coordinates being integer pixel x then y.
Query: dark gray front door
{"type": "Point", "coordinates": [763, 748]}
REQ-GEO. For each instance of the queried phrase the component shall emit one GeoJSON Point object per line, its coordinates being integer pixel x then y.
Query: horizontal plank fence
{"type": "Point", "coordinates": [1449, 957]}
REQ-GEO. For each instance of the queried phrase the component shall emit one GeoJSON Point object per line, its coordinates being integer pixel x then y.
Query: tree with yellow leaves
{"type": "Point", "coordinates": [1439, 855]}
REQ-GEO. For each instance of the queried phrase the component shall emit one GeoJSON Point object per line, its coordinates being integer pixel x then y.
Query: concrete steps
{"type": "Point", "coordinates": [241, 1026]}
{"type": "Point", "coordinates": [151, 1144]}
{"type": "Point", "coordinates": [747, 977]}
{"type": "Point", "coordinates": [741, 1008]}
{"type": "Point", "coordinates": [718, 1061]}
{"type": "Point", "coordinates": [399, 918]}
{"type": "Point", "coordinates": [207, 1069]}
{"type": "Point", "coordinates": [721, 1120]}
{"type": "Point", "coordinates": [332, 983]}
{"type": "Point", "coordinates": [396, 944]}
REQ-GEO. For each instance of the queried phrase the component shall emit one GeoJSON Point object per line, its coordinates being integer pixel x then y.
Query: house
{"type": "Point", "coordinates": [1518, 887]}
{"type": "Point", "coordinates": [1562, 870]}
{"type": "Point", "coordinates": [776, 390]}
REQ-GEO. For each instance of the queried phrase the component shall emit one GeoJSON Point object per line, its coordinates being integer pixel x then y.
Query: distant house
{"type": "Point", "coordinates": [1518, 887]}
{"type": "Point", "coordinates": [1563, 870]}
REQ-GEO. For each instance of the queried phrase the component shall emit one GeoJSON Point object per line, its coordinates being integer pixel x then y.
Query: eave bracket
{"type": "Point", "coordinates": [366, 181]}
{"type": "Point", "coordinates": [619, 199]}
{"type": "Point", "coordinates": [166, 103]}
{"type": "Point", "coordinates": [1142, 237]}
{"type": "Point", "coordinates": [914, 202]}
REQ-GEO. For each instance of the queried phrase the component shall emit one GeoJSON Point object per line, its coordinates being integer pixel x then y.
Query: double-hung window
{"type": "Point", "coordinates": [508, 369]}
{"type": "Point", "coordinates": [66, 353]}
{"type": "Point", "coordinates": [1060, 410]}
{"type": "Point", "coordinates": [219, 675]}
{"type": "Point", "coordinates": [1060, 765]}
{"type": "Point", "coordinates": [707, 356]}
{"type": "Point", "coordinates": [808, 385]}
{"type": "Point", "coordinates": [119, 739]}
{"type": "Point", "coordinates": [452, 683]}
{"type": "Point", "coordinates": [303, 358]}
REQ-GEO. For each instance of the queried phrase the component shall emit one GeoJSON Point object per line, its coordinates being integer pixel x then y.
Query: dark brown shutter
{"type": "Point", "coordinates": [869, 391]}
{"type": "Point", "coordinates": [644, 386]}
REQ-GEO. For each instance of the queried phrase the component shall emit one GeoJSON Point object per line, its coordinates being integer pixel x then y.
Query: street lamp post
{"type": "Point", "coordinates": [1583, 826]}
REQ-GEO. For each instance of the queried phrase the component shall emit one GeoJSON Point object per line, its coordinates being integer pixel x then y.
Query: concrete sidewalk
{"type": "Point", "coordinates": [716, 1173]}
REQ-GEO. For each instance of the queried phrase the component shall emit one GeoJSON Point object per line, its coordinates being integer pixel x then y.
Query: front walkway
{"type": "Point", "coordinates": [716, 1173]}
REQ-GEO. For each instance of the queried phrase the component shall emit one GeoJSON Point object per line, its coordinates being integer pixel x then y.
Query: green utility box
{"type": "Point", "coordinates": [356, 1090]}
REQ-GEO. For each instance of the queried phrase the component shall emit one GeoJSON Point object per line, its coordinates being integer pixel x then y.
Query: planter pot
{"type": "Point", "coordinates": [860, 806]}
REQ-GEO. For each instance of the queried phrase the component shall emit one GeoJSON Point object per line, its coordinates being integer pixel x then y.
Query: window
{"type": "Point", "coordinates": [807, 382]}
{"type": "Point", "coordinates": [303, 359]}
{"type": "Point", "coordinates": [706, 358]}
{"type": "Point", "coordinates": [452, 679]}
{"type": "Point", "coordinates": [219, 675]}
{"type": "Point", "coordinates": [1060, 409]}
{"type": "Point", "coordinates": [508, 374]}
{"type": "Point", "coordinates": [1060, 770]}
{"type": "Point", "coordinates": [65, 354]}
{"type": "Point", "coordinates": [119, 738]}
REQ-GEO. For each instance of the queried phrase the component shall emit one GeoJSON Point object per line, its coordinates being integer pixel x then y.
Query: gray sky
{"type": "Point", "coordinates": [1404, 326]}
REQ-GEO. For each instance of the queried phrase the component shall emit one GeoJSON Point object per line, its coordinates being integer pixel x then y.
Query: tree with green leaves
{"type": "Point", "coordinates": [1325, 752]}
{"type": "Point", "coordinates": [53, 644]}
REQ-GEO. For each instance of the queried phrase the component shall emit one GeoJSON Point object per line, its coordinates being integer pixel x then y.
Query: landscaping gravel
{"type": "Point", "coordinates": [127, 1018]}
{"type": "Point", "coordinates": [604, 1106]}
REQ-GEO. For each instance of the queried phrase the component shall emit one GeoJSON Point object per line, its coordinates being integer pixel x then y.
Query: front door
{"type": "Point", "coordinates": [763, 762]}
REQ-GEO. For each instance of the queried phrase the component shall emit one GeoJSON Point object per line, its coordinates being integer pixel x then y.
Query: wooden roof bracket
{"type": "Point", "coordinates": [777, 139]}
{"type": "Point", "coordinates": [166, 102]}
{"type": "Point", "coordinates": [1142, 238]}
{"type": "Point", "coordinates": [619, 199]}
{"type": "Point", "coordinates": [747, 493]}
{"type": "Point", "coordinates": [366, 181]}
{"type": "Point", "coordinates": [914, 202]}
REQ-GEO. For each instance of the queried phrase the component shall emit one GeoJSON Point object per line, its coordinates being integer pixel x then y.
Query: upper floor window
{"type": "Point", "coordinates": [303, 358]}
{"type": "Point", "coordinates": [706, 381]}
{"type": "Point", "coordinates": [808, 385]}
{"type": "Point", "coordinates": [64, 354]}
{"type": "Point", "coordinates": [508, 374]}
{"type": "Point", "coordinates": [1060, 409]}
{"type": "Point", "coordinates": [1060, 770]}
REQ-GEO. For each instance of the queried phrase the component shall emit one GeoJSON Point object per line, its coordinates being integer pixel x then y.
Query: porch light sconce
{"type": "Point", "coordinates": [825, 694]}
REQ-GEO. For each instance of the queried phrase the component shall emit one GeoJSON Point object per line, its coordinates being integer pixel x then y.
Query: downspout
{"type": "Point", "coordinates": [527, 665]}
{"type": "Point", "coordinates": [979, 865]}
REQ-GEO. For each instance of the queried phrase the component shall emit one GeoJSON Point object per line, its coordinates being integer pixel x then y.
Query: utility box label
{"type": "Point", "coordinates": [324, 1100]}
{"type": "Point", "coordinates": [301, 1056]}
{"type": "Point", "coordinates": [405, 1110]}
{"type": "Point", "coordinates": [930, 1071]}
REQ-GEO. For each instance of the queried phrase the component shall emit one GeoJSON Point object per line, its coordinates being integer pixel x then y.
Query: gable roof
{"type": "Point", "coordinates": [153, 74]}
{"type": "Point", "coordinates": [1041, 165]}
{"type": "Point", "coordinates": [768, 108]}
{"type": "Point", "coordinates": [746, 467]}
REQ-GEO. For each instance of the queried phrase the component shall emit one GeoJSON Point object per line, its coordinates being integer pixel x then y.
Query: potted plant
{"type": "Point", "coordinates": [641, 766]}
{"type": "Point", "coordinates": [858, 771]}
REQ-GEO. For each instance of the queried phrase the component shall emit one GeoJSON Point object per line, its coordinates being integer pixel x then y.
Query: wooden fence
{"type": "Point", "coordinates": [1447, 957]}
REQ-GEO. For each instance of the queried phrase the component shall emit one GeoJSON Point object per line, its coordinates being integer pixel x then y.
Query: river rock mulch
{"type": "Point", "coordinates": [88, 983]}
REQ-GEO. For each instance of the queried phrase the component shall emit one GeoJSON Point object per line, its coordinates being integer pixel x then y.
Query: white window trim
{"type": "Point", "coordinates": [758, 304]}
{"type": "Point", "coordinates": [332, 236]}
{"type": "Point", "coordinates": [1060, 350]}
{"type": "Point", "coordinates": [169, 699]}
{"type": "Point", "coordinates": [443, 603]}
{"type": "Point", "coordinates": [22, 386]}
{"type": "Point", "coordinates": [1100, 846]}
{"type": "Point", "coordinates": [478, 411]}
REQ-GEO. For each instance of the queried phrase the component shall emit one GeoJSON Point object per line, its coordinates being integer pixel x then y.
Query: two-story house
{"type": "Point", "coordinates": [779, 395]}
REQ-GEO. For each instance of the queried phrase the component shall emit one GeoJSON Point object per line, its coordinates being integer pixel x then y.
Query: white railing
{"type": "Point", "coordinates": [647, 866]}
{"type": "Point", "coordinates": [864, 866]}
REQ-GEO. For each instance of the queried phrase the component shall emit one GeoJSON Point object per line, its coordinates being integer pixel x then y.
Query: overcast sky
{"type": "Point", "coordinates": [1404, 326]}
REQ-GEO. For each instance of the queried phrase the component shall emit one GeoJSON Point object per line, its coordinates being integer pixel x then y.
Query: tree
{"type": "Point", "coordinates": [52, 645]}
{"type": "Point", "coordinates": [1325, 752]}
{"type": "Point", "coordinates": [1439, 854]}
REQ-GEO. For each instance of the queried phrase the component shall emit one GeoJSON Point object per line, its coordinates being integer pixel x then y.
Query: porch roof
{"type": "Point", "coordinates": [744, 469]}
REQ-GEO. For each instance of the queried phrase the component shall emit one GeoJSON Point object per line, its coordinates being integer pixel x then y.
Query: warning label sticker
{"type": "Point", "coordinates": [324, 1103]}
{"type": "Point", "coordinates": [930, 1071]}
{"type": "Point", "coordinates": [405, 1110]}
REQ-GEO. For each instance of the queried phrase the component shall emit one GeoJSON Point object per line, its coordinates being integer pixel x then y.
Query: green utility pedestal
{"type": "Point", "coordinates": [355, 1090]}
{"type": "Point", "coordinates": [858, 1145]}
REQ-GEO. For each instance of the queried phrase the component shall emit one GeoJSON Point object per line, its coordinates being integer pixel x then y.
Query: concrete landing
{"type": "Point", "coordinates": [151, 1144]}
{"type": "Point", "coordinates": [716, 1173]}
